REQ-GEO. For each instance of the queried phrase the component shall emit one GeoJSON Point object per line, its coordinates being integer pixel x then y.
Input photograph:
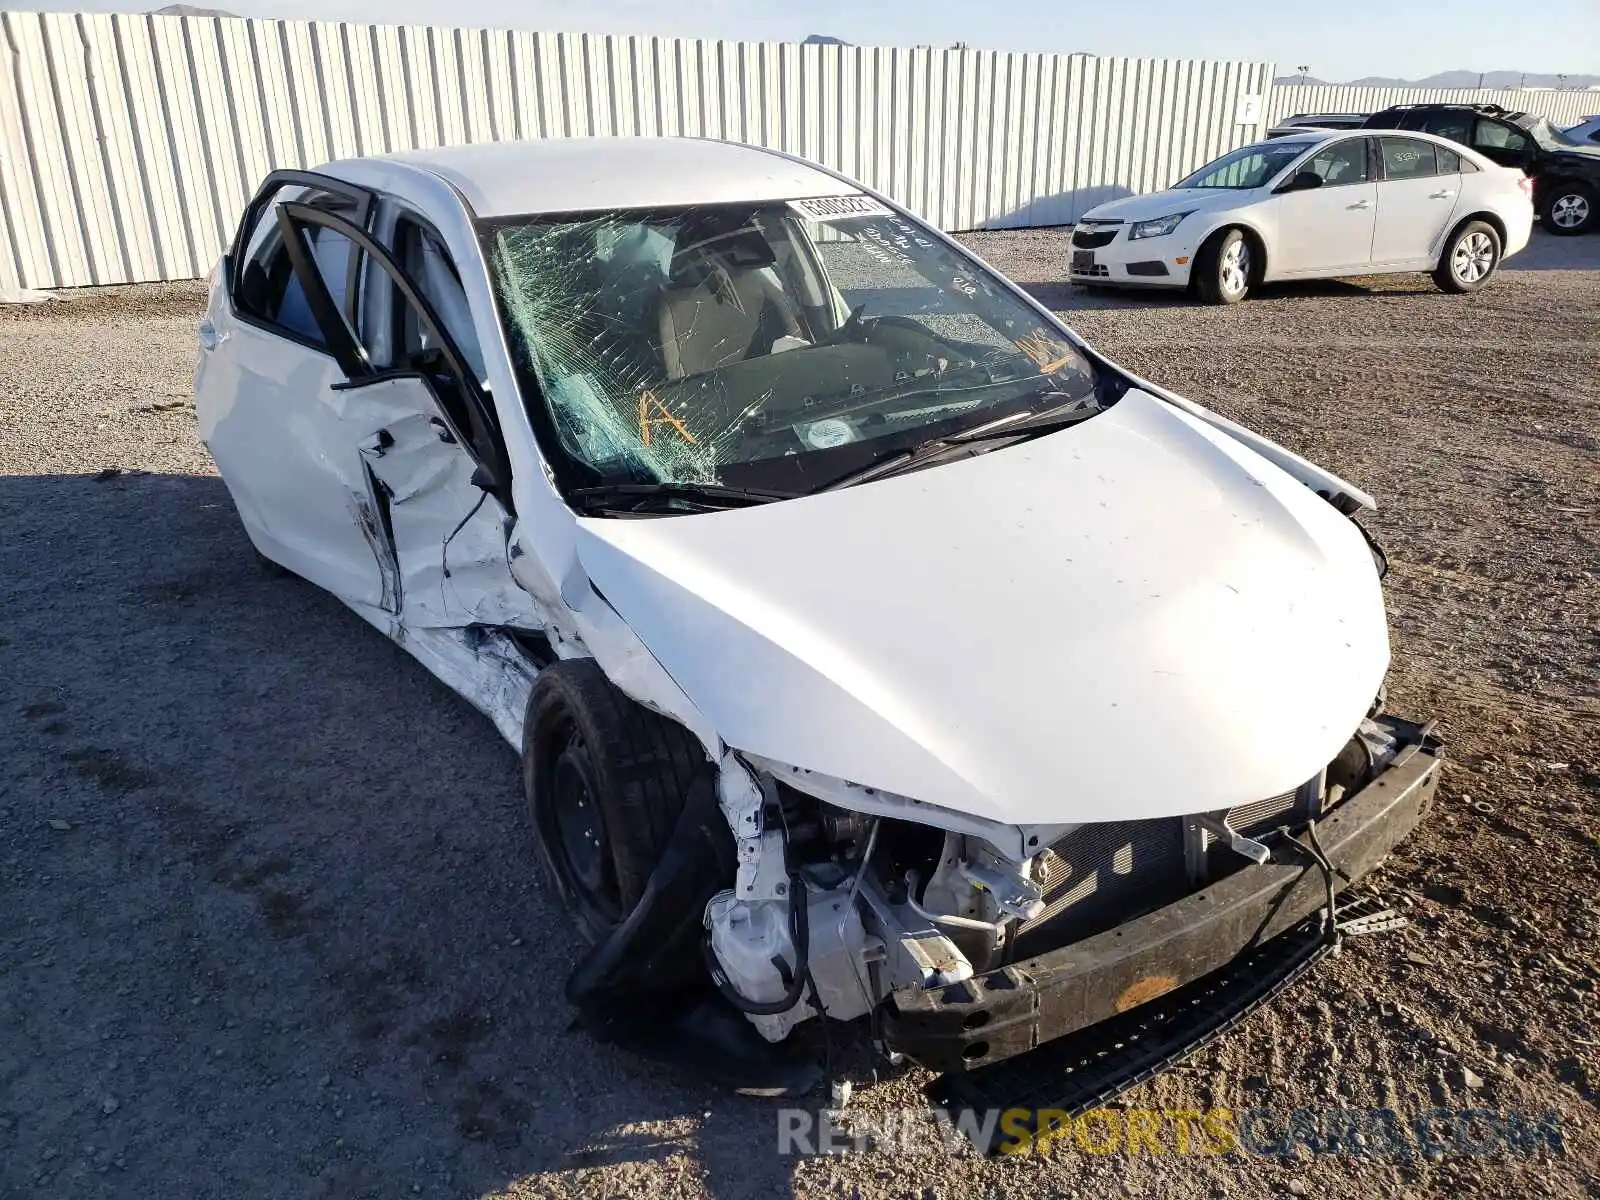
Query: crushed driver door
{"type": "Point", "coordinates": [427, 440]}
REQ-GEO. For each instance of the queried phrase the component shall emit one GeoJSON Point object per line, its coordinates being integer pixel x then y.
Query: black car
{"type": "Point", "coordinates": [1566, 173]}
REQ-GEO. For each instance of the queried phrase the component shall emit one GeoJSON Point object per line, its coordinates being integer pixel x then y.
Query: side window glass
{"type": "Point", "coordinates": [1492, 135]}
{"type": "Point", "coordinates": [428, 265]}
{"type": "Point", "coordinates": [1407, 158]}
{"type": "Point", "coordinates": [267, 288]}
{"type": "Point", "coordinates": [1457, 126]}
{"type": "Point", "coordinates": [333, 253]}
{"type": "Point", "coordinates": [1449, 161]}
{"type": "Point", "coordinates": [1343, 163]}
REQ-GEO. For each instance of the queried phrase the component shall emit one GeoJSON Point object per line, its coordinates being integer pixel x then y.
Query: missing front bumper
{"type": "Point", "coordinates": [1019, 1007]}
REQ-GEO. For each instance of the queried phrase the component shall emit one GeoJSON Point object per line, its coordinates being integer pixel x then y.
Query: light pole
{"type": "Point", "coordinates": [1304, 71]}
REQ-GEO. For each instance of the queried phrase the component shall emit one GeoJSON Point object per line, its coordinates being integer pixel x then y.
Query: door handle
{"type": "Point", "coordinates": [1445, 195]}
{"type": "Point", "coordinates": [1359, 204]}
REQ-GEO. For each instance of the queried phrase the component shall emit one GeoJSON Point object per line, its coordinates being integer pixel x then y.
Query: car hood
{"type": "Point", "coordinates": [1132, 617]}
{"type": "Point", "coordinates": [1162, 204]}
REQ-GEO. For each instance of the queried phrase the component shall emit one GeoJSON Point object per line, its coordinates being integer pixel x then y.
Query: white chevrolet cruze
{"type": "Point", "coordinates": [873, 646]}
{"type": "Point", "coordinates": [1313, 205]}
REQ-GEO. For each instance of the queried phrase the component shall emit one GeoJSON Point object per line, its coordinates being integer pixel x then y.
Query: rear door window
{"type": "Point", "coordinates": [1497, 135]}
{"type": "Point", "coordinates": [1449, 161]}
{"type": "Point", "coordinates": [266, 289]}
{"type": "Point", "coordinates": [1407, 158]}
{"type": "Point", "coordinates": [1456, 126]}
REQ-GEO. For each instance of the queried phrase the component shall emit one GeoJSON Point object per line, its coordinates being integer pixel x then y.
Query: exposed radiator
{"type": "Point", "coordinates": [1099, 876]}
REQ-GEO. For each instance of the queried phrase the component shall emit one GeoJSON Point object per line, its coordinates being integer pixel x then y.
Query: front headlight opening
{"type": "Point", "coordinates": [1159, 227]}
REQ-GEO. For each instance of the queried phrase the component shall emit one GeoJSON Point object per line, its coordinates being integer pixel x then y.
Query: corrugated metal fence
{"type": "Point", "coordinates": [1564, 108]}
{"type": "Point", "coordinates": [129, 144]}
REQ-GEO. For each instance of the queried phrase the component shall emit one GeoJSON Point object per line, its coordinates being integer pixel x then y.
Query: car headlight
{"type": "Point", "coordinates": [1159, 227]}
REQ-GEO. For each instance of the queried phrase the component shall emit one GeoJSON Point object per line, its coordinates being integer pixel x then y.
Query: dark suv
{"type": "Point", "coordinates": [1566, 174]}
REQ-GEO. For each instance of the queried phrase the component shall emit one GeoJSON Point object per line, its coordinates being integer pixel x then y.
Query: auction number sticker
{"type": "Point", "coordinates": [839, 208]}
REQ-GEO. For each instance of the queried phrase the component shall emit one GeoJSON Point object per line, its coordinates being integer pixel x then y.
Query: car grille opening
{"type": "Point", "coordinates": [1093, 239]}
{"type": "Point", "coordinates": [1099, 876]}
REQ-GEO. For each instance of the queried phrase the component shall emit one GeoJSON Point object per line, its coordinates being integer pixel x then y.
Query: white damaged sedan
{"type": "Point", "coordinates": [873, 646]}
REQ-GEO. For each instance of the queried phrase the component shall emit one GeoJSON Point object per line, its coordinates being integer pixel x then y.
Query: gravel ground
{"type": "Point", "coordinates": [273, 927]}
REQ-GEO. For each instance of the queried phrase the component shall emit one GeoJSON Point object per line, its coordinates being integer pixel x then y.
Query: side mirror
{"type": "Point", "coordinates": [1301, 181]}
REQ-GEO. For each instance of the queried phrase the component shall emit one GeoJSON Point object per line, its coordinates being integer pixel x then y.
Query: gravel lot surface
{"type": "Point", "coordinates": [272, 926]}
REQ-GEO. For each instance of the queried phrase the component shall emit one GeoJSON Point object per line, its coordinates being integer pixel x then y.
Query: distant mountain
{"type": "Point", "coordinates": [1459, 79]}
{"type": "Point", "coordinates": [822, 39]}
{"type": "Point", "coordinates": [189, 10]}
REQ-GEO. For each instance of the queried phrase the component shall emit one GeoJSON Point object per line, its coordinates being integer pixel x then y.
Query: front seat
{"type": "Point", "coordinates": [722, 307]}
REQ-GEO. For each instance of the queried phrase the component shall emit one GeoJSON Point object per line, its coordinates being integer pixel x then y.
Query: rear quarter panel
{"type": "Point", "coordinates": [1499, 190]}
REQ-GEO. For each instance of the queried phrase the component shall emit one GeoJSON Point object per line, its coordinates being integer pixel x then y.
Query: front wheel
{"type": "Point", "coordinates": [1224, 268]}
{"type": "Point", "coordinates": [1569, 208]}
{"type": "Point", "coordinates": [606, 780]}
{"type": "Point", "coordinates": [1469, 259]}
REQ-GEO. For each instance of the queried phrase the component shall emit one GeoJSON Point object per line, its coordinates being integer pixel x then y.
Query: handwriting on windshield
{"type": "Point", "coordinates": [649, 403]}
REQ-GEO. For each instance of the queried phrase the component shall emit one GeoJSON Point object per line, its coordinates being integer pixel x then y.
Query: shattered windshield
{"type": "Point", "coordinates": [776, 345]}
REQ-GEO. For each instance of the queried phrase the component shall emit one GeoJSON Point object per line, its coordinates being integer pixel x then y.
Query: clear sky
{"type": "Point", "coordinates": [1338, 40]}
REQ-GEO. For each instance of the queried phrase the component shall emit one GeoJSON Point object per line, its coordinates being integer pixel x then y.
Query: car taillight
{"type": "Point", "coordinates": [1525, 182]}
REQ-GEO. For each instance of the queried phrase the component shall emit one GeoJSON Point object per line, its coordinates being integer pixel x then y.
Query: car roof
{"type": "Point", "coordinates": [567, 175]}
{"type": "Point", "coordinates": [1483, 110]}
{"type": "Point", "coordinates": [1306, 137]}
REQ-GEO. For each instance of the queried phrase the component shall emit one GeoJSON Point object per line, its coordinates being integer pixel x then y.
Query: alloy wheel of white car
{"type": "Point", "coordinates": [1470, 258]}
{"type": "Point", "coordinates": [1224, 268]}
{"type": "Point", "coordinates": [1235, 268]}
{"type": "Point", "coordinates": [1473, 258]}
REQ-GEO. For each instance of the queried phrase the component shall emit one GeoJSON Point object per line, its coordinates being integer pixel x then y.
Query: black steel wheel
{"type": "Point", "coordinates": [575, 831]}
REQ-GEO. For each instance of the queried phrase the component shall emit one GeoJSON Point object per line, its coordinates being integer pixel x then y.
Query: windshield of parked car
{"type": "Point", "coordinates": [780, 345]}
{"type": "Point", "coordinates": [1247, 167]}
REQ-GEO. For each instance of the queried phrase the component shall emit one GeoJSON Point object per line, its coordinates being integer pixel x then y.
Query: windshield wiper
{"type": "Point", "coordinates": [1028, 419]}
{"type": "Point", "coordinates": [1018, 426]}
{"type": "Point", "coordinates": [636, 497]}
